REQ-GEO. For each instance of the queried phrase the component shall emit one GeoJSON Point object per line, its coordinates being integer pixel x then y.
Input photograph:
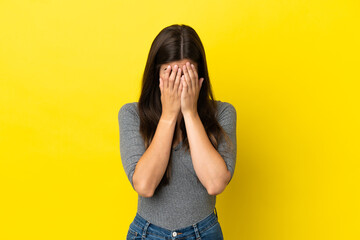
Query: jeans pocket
{"type": "Point", "coordinates": [213, 233]}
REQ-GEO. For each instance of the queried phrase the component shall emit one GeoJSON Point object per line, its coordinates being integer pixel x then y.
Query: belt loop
{"type": "Point", "coordinates": [216, 213]}
{"type": "Point", "coordinates": [145, 229]}
{"type": "Point", "coordinates": [196, 232]}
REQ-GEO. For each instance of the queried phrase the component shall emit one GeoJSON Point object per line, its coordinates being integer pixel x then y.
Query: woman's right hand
{"type": "Point", "coordinates": [170, 89]}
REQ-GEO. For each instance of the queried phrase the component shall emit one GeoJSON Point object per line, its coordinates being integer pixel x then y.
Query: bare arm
{"type": "Point", "coordinates": [209, 166]}
{"type": "Point", "coordinates": [152, 165]}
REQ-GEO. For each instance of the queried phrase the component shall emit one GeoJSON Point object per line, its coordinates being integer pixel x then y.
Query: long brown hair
{"type": "Point", "coordinates": [174, 43]}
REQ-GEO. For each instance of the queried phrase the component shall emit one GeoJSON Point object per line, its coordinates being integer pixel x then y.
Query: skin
{"type": "Point", "coordinates": [179, 97]}
{"type": "Point", "coordinates": [171, 99]}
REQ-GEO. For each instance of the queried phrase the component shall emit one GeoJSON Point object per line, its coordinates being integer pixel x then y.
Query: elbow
{"type": "Point", "coordinates": [145, 193]}
{"type": "Point", "coordinates": [142, 189]}
{"type": "Point", "coordinates": [218, 187]}
{"type": "Point", "coordinates": [215, 190]}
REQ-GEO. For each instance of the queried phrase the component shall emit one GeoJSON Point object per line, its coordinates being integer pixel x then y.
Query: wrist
{"type": "Point", "coordinates": [168, 119]}
{"type": "Point", "coordinates": [191, 114]}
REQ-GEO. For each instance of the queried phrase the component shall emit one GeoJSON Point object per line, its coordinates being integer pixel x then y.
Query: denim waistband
{"type": "Point", "coordinates": [144, 227]}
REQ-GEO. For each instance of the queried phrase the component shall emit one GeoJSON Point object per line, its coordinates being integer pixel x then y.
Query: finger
{"type": "Point", "coordinates": [184, 84]}
{"type": "Point", "coordinates": [180, 89]}
{"type": "Point", "coordinates": [195, 75]}
{"type": "Point", "coordinates": [201, 81]}
{"type": "Point", "coordinates": [161, 85]}
{"type": "Point", "coordinates": [172, 77]}
{"type": "Point", "coordinates": [187, 77]}
{"type": "Point", "coordinates": [166, 76]}
{"type": "Point", "coordinates": [191, 74]}
{"type": "Point", "coordinates": [194, 70]}
{"type": "Point", "coordinates": [177, 80]}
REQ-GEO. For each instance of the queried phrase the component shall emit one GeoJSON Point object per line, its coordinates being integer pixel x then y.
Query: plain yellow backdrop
{"type": "Point", "coordinates": [290, 68]}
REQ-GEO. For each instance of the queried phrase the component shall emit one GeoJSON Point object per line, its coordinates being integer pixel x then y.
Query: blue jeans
{"type": "Point", "coordinates": [207, 229]}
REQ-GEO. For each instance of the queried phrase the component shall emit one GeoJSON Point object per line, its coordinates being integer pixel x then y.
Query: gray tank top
{"type": "Point", "coordinates": [184, 201]}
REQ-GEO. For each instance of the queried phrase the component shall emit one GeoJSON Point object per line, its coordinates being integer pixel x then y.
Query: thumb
{"type": "Point", "coordinates": [160, 84]}
{"type": "Point", "coordinates": [201, 81]}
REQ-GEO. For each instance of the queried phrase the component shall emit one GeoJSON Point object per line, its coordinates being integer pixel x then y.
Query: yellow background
{"type": "Point", "coordinates": [290, 68]}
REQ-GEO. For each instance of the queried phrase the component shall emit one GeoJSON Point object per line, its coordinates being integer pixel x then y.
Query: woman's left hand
{"type": "Point", "coordinates": [191, 89]}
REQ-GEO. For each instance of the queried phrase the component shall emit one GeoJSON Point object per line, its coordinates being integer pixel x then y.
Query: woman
{"type": "Point", "coordinates": [177, 144]}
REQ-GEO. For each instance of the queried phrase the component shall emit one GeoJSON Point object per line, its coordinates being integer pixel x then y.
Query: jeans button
{"type": "Point", "coordinates": [174, 234]}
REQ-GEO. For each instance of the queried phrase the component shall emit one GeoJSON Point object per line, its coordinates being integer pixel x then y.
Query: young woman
{"type": "Point", "coordinates": [177, 144]}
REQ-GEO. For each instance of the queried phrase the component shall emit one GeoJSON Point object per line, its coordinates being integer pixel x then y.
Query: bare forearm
{"type": "Point", "coordinates": [208, 163]}
{"type": "Point", "coordinates": [152, 165]}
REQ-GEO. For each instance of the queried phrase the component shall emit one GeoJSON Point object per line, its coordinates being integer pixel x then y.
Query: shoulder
{"type": "Point", "coordinates": [130, 108]}
{"type": "Point", "coordinates": [225, 108]}
{"type": "Point", "coordinates": [226, 116]}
